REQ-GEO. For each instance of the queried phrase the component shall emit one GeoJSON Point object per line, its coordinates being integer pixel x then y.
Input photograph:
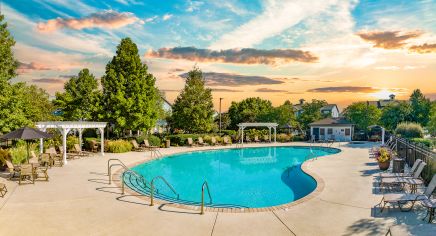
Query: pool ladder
{"type": "Point", "coordinates": [152, 188]}
{"type": "Point", "coordinates": [203, 187]}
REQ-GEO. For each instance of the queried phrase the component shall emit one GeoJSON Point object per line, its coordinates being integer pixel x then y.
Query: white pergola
{"type": "Point", "coordinates": [270, 126]}
{"type": "Point", "coordinates": [66, 126]}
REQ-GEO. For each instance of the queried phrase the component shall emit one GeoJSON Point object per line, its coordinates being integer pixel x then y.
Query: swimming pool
{"type": "Point", "coordinates": [238, 178]}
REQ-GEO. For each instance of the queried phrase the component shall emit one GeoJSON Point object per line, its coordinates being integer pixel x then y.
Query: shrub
{"type": "Point", "coordinates": [119, 146]}
{"type": "Point", "coordinates": [229, 132]}
{"type": "Point", "coordinates": [298, 138]}
{"type": "Point", "coordinates": [71, 140]}
{"type": "Point", "coordinates": [409, 130]}
{"type": "Point", "coordinates": [426, 142]}
{"type": "Point", "coordinates": [153, 140]}
{"type": "Point", "coordinates": [87, 142]}
{"type": "Point", "coordinates": [18, 154]}
{"type": "Point", "coordinates": [284, 138]}
{"type": "Point", "coordinates": [181, 139]}
{"type": "Point", "coordinates": [4, 155]}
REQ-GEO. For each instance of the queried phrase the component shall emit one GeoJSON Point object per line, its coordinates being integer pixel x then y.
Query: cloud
{"type": "Point", "coordinates": [268, 90]}
{"type": "Point", "coordinates": [240, 56]}
{"type": "Point", "coordinates": [225, 90]}
{"type": "Point", "coordinates": [220, 79]}
{"type": "Point", "coordinates": [28, 67]}
{"type": "Point", "coordinates": [431, 96]}
{"type": "Point", "coordinates": [167, 17]}
{"type": "Point", "coordinates": [49, 81]}
{"type": "Point", "coordinates": [105, 19]}
{"type": "Point", "coordinates": [388, 39]}
{"type": "Point", "coordinates": [194, 5]}
{"type": "Point", "coordinates": [67, 76]}
{"type": "Point", "coordinates": [344, 89]}
{"type": "Point", "coordinates": [312, 80]}
{"type": "Point", "coordinates": [424, 48]}
{"type": "Point", "coordinates": [276, 17]}
{"type": "Point", "coordinates": [395, 68]}
{"type": "Point", "coordinates": [150, 19]}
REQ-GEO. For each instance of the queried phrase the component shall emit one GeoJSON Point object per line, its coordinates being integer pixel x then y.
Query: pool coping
{"type": "Point", "coordinates": [304, 167]}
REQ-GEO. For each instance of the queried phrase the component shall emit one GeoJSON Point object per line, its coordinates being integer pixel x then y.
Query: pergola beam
{"type": "Point", "coordinates": [242, 126]}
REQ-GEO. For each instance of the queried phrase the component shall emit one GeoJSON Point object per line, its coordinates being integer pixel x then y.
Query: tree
{"type": "Point", "coordinates": [311, 112]}
{"type": "Point", "coordinates": [252, 109]}
{"type": "Point", "coordinates": [284, 114]}
{"type": "Point", "coordinates": [394, 113]}
{"type": "Point", "coordinates": [36, 103]}
{"type": "Point", "coordinates": [129, 96]}
{"type": "Point", "coordinates": [225, 120]}
{"type": "Point", "coordinates": [420, 108]}
{"type": "Point", "coordinates": [431, 126]}
{"type": "Point", "coordinates": [362, 115]}
{"type": "Point", "coordinates": [193, 109]}
{"type": "Point", "coordinates": [8, 64]}
{"type": "Point", "coordinates": [81, 99]}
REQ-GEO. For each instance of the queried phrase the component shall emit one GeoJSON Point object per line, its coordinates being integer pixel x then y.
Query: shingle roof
{"type": "Point", "coordinates": [331, 121]}
{"type": "Point", "coordinates": [328, 107]}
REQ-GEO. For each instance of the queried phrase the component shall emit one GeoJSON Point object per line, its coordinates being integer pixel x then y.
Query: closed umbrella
{"type": "Point", "coordinates": [26, 133]}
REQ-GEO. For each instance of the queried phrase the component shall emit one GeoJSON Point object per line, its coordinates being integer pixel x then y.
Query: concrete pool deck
{"type": "Point", "coordinates": [79, 201]}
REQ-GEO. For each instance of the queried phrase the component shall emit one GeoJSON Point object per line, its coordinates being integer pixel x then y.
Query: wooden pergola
{"type": "Point", "coordinates": [270, 126]}
{"type": "Point", "coordinates": [66, 126]}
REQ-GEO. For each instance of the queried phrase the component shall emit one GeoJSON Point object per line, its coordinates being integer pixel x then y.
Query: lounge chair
{"type": "Point", "coordinates": [79, 151]}
{"type": "Point", "coordinates": [226, 141]}
{"type": "Point", "coordinates": [413, 181]}
{"type": "Point", "coordinates": [148, 146]}
{"type": "Point", "coordinates": [266, 138]}
{"type": "Point", "coordinates": [3, 189]}
{"type": "Point", "coordinates": [46, 160]}
{"type": "Point", "coordinates": [201, 142]}
{"type": "Point", "coordinates": [247, 139]}
{"type": "Point", "coordinates": [403, 198]}
{"type": "Point", "coordinates": [191, 143]}
{"type": "Point", "coordinates": [136, 146]}
{"type": "Point", "coordinates": [94, 145]}
{"type": "Point", "coordinates": [26, 172]}
{"type": "Point", "coordinates": [13, 170]}
{"type": "Point", "coordinates": [41, 172]}
{"type": "Point", "coordinates": [69, 154]}
{"type": "Point", "coordinates": [405, 173]}
{"type": "Point", "coordinates": [34, 158]}
{"type": "Point", "coordinates": [213, 141]}
{"type": "Point", "coordinates": [256, 139]}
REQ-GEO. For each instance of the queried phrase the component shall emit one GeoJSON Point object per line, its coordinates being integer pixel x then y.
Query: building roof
{"type": "Point", "coordinates": [384, 102]}
{"type": "Point", "coordinates": [328, 107]}
{"type": "Point", "coordinates": [331, 121]}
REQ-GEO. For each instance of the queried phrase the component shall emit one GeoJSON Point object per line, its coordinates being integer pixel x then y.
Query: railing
{"type": "Point", "coordinates": [109, 167]}
{"type": "Point", "coordinates": [154, 152]}
{"type": "Point", "coordinates": [411, 151]}
{"type": "Point", "coordinates": [152, 188]}
{"type": "Point", "coordinates": [202, 196]}
{"type": "Point", "coordinates": [138, 177]}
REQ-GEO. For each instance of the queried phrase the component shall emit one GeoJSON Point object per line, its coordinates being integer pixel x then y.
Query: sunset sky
{"type": "Point", "coordinates": [337, 50]}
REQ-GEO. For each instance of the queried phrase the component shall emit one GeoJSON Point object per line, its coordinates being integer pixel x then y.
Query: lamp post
{"type": "Point", "coordinates": [220, 114]}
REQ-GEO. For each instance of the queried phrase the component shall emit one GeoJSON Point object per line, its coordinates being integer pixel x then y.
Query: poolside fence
{"type": "Point", "coordinates": [411, 151]}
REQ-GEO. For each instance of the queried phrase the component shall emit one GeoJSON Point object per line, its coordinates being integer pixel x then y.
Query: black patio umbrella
{"type": "Point", "coordinates": [26, 133]}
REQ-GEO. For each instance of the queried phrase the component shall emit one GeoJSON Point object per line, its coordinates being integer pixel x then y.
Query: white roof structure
{"type": "Point", "coordinates": [270, 126]}
{"type": "Point", "coordinates": [66, 126]}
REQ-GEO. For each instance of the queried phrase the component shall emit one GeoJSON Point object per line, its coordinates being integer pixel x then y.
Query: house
{"type": "Point", "coordinates": [380, 104]}
{"type": "Point", "coordinates": [334, 128]}
{"type": "Point", "coordinates": [162, 124]}
{"type": "Point", "coordinates": [331, 109]}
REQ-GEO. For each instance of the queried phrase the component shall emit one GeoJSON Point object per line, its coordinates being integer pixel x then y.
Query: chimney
{"type": "Point", "coordinates": [392, 96]}
{"type": "Point", "coordinates": [301, 101]}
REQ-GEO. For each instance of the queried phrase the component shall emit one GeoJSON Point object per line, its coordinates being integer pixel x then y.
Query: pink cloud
{"type": "Point", "coordinates": [28, 67]}
{"type": "Point", "coordinates": [105, 19]}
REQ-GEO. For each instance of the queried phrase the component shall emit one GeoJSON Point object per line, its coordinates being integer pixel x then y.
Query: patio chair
{"type": "Point", "coordinates": [247, 139]}
{"type": "Point", "coordinates": [191, 143]}
{"type": "Point", "coordinates": [148, 146]}
{"type": "Point", "coordinates": [405, 173]}
{"type": "Point", "coordinates": [266, 138]}
{"type": "Point", "coordinates": [256, 139]}
{"type": "Point", "coordinates": [226, 141]}
{"type": "Point", "coordinates": [41, 172]}
{"type": "Point", "coordinates": [34, 158]}
{"type": "Point", "coordinates": [136, 146]}
{"type": "Point", "coordinates": [46, 160]}
{"type": "Point", "coordinates": [13, 170]}
{"type": "Point", "coordinates": [78, 150]}
{"type": "Point", "coordinates": [94, 145]}
{"type": "Point", "coordinates": [26, 172]}
{"type": "Point", "coordinates": [3, 189]}
{"type": "Point", "coordinates": [403, 198]}
{"type": "Point", "coordinates": [201, 142]}
{"type": "Point", "coordinates": [412, 181]}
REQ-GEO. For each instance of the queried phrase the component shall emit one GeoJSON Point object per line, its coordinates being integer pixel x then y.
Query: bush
{"type": "Point", "coordinates": [426, 142]}
{"type": "Point", "coordinates": [87, 142]}
{"type": "Point", "coordinates": [229, 132]}
{"type": "Point", "coordinates": [153, 140]}
{"type": "Point", "coordinates": [119, 146]}
{"type": "Point", "coordinates": [409, 130]}
{"type": "Point", "coordinates": [4, 155]}
{"type": "Point", "coordinates": [284, 138]}
{"type": "Point", "coordinates": [181, 139]}
{"type": "Point", "coordinates": [298, 138]}
{"type": "Point", "coordinates": [18, 154]}
{"type": "Point", "coordinates": [71, 140]}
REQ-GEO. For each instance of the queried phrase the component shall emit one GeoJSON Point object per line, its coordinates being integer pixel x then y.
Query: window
{"type": "Point", "coordinates": [322, 131]}
{"type": "Point", "coordinates": [329, 131]}
{"type": "Point", "coordinates": [347, 132]}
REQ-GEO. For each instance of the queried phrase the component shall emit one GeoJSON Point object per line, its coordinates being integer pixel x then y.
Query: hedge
{"type": "Point", "coordinates": [119, 146]}
{"type": "Point", "coordinates": [409, 130]}
{"type": "Point", "coordinates": [152, 140]}
{"type": "Point", "coordinates": [426, 142]}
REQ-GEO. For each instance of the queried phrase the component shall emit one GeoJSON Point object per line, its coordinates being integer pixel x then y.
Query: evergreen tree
{"type": "Point", "coordinates": [81, 98]}
{"type": "Point", "coordinates": [395, 113]}
{"type": "Point", "coordinates": [193, 109]}
{"type": "Point", "coordinates": [130, 98]}
{"type": "Point", "coordinates": [8, 64]}
{"type": "Point", "coordinates": [420, 108]}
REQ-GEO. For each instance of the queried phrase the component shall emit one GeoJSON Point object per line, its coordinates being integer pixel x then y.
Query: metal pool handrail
{"type": "Point", "coordinates": [152, 188]}
{"type": "Point", "coordinates": [109, 167]}
{"type": "Point", "coordinates": [138, 176]}
{"type": "Point", "coordinates": [205, 184]}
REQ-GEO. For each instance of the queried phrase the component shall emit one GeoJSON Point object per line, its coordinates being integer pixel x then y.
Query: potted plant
{"type": "Point", "coordinates": [384, 158]}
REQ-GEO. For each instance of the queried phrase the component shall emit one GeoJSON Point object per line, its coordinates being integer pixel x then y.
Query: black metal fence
{"type": "Point", "coordinates": [411, 151]}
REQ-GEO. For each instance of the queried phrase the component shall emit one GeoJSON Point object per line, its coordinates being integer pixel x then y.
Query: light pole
{"type": "Point", "coordinates": [220, 114]}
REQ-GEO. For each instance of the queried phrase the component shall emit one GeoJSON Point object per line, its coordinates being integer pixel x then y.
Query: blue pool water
{"type": "Point", "coordinates": [247, 177]}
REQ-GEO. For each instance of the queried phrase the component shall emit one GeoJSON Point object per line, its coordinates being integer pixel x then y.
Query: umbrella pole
{"type": "Point", "coordinates": [27, 142]}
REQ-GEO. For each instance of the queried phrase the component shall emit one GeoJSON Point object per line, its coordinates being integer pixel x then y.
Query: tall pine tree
{"type": "Point", "coordinates": [420, 108]}
{"type": "Point", "coordinates": [130, 98]}
{"type": "Point", "coordinates": [193, 108]}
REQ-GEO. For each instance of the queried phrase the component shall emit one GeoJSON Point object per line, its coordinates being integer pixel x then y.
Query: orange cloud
{"type": "Point", "coordinates": [28, 67]}
{"type": "Point", "coordinates": [240, 56]}
{"type": "Point", "coordinates": [218, 79]}
{"type": "Point", "coordinates": [105, 19]}
{"type": "Point", "coordinates": [424, 48]}
{"type": "Point", "coordinates": [388, 39]}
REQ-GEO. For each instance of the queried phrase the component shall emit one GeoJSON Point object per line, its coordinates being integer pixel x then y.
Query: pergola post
{"type": "Point", "coordinates": [383, 136]}
{"type": "Point", "coordinates": [64, 143]}
{"type": "Point", "coordinates": [102, 141]}
{"type": "Point", "coordinates": [275, 134]}
{"type": "Point", "coordinates": [269, 128]}
{"type": "Point", "coordinates": [242, 139]}
{"type": "Point", "coordinates": [80, 137]}
{"type": "Point", "coordinates": [41, 143]}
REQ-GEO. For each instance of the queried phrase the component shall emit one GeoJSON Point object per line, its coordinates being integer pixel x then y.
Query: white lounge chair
{"type": "Point", "coordinates": [405, 173]}
{"type": "Point", "coordinates": [413, 181]}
